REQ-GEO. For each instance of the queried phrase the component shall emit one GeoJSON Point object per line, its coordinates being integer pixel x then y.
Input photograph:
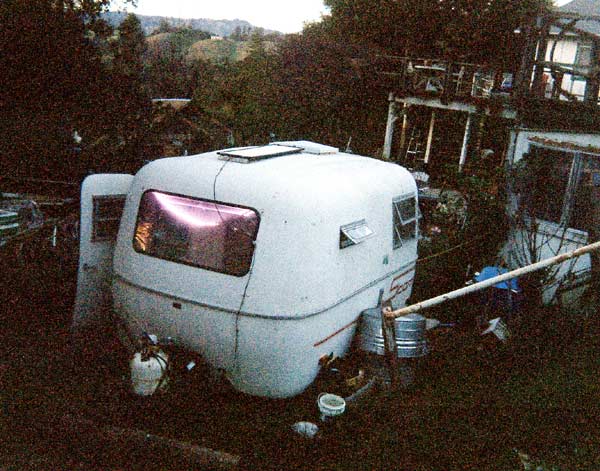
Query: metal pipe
{"type": "Point", "coordinates": [389, 314]}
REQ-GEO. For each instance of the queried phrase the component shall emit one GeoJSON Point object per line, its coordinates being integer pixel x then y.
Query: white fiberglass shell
{"type": "Point", "coordinates": [303, 294]}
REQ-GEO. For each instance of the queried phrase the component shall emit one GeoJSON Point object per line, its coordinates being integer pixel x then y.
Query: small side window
{"type": "Point", "coordinates": [107, 216]}
{"type": "Point", "coordinates": [354, 233]}
{"type": "Point", "coordinates": [405, 214]}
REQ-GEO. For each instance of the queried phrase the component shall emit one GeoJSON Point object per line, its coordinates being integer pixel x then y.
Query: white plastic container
{"type": "Point", "coordinates": [148, 372]}
{"type": "Point", "coordinates": [330, 405]}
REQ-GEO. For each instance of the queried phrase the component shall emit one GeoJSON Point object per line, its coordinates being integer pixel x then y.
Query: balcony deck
{"type": "Point", "coordinates": [477, 88]}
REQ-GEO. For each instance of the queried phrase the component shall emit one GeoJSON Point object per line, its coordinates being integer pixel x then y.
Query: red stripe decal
{"type": "Point", "coordinates": [329, 337]}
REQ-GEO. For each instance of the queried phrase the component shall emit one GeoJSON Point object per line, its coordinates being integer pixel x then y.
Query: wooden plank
{"type": "Point", "coordinates": [127, 442]}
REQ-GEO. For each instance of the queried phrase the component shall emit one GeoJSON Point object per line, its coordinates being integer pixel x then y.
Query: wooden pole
{"type": "Point", "coordinates": [465, 143]}
{"type": "Point", "coordinates": [389, 128]}
{"type": "Point", "coordinates": [389, 346]}
{"type": "Point", "coordinates": [404, 131]}
{"type": "Point", "coordinates": [429, 138]}
{"type": "Point", "coordinates": [391, 315]}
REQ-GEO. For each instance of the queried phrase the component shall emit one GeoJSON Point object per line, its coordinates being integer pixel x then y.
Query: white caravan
{"type": "Point", "coordinates": [260, 259]}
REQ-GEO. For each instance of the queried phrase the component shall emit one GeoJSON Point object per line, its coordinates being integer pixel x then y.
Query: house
{"type": "Point", "coordinates": [550, 117]}
{"type": "Point", "coordinates": [572, 48]}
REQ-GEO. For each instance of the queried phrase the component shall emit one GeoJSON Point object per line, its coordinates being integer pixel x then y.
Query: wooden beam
{"type": "Point", "coordinates": [127, 441]}
{"type": "Point", "coordinates": [465, 143]}
{"type": "Point", "coordinates": [483, 105]}
{"type": "Point", "coordinates": [404, 131]}
{"type": "Point", "coordinates": [389, 128]}
{"type": "Point", "coordinates": [429, 137]}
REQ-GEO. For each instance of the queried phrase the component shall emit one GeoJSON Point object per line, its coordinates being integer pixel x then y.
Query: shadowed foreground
{"type": "Point", "coordinates": [475, 402]}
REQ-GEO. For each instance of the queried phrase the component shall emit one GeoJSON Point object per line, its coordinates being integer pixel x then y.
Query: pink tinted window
{"type": "Point", "coordinates": [206, 234]}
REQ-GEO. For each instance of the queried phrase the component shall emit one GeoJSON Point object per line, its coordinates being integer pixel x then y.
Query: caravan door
{"type": "Point", "coordinates": [102, 200]}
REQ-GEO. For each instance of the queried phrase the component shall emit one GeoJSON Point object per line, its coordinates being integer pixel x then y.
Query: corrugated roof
{"type": "Point", "coordinates": [581, 7]}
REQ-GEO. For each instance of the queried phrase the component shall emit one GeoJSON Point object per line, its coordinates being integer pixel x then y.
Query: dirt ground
{"type": "Point", "coordinates": [475, 403]}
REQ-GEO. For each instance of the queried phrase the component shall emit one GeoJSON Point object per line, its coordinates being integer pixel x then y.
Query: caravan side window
{"type": "Point", "coordinates": [405, 215]}
{"type": "Point", "coordinates": [206, 234]}
{"type": "Point", "coordinates": [106, 216]}
{"type": "Point", "coordinates": [354, 233]}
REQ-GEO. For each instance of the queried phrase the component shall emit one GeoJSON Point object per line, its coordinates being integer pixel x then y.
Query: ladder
{"type": "Point", "coordinates": [415, 155]}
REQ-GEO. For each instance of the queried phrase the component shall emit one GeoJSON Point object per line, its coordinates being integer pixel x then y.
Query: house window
{"type": "Point", "coordinates": [583, 57]}
{"type": "Point", "coordinates": [206, 234]}
{"type": "Point", "coordinates": [405, 217]}
{"type": "Point", "coordinates": [106, 217]}
{"type": "Point", "coordinates": [354, 233]}
{"type": "Point", "coordinates": [556, 186]}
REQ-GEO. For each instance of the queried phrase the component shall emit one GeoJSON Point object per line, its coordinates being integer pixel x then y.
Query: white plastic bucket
{"type": "Point", "coordinates": [330, 405]}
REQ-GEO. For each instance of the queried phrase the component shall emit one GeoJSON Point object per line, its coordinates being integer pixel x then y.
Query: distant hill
{"type": "Point", "coordinates": [212, 50]}
{"type": "Point", "coordinates": [217, 27]}
{"type": "Point", "coordinates": [219, 50]}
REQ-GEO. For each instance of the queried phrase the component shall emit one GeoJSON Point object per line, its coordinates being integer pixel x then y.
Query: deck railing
{"type": "Point", "coordinates": [450, 80]}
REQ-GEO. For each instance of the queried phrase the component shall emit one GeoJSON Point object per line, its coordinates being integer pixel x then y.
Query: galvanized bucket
{"type": "Point", "coordinates": [411, 327]}
{"type": "Point", "coordinates": [410, 334]}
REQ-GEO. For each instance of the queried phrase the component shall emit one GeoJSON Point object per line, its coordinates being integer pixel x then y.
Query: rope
{"type": "Point", "coordinates": [451, 249]}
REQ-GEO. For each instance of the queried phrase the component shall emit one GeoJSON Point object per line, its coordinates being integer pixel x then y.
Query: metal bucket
{"type": "Point", "coordinates": [410, 327]}
{"type": "Point", "coordinates": [410, 334]}
{"type": "Point", "coordinates": [411, 348]}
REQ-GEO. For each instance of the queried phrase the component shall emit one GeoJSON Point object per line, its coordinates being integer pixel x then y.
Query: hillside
{"type": "Point", "coordinates": [216, 27]}
{"type": "Point", "coordinates": [223, 50]}
{"type": "Point", "coordinates": [212, 50]}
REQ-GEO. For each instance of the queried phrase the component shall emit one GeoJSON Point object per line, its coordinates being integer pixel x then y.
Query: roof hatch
{"type": "Point", "coordinates": [252, 154]}
{"type": "Point", "coordinates": [310, 147]}
{"type": "Point", "coordinates": [275, 149]}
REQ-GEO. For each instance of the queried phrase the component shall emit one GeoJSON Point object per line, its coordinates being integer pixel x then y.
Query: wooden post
{"type": "Point", "coordinates": [404, 129]}
{"type": "Point", "coordinates": [522, 79]}
{"type": "Point", "coordinates": [389, 128]}
{"type": "Point", "coordinates": [480, 132]}
{"type": "Point", "coordinates": [389, 347]}
{"type": "Point", "coordinates": [538, 84]}
{"type": "Point", "coordinates": [429, 138]}
{"type": "Point", "coordinates": [592, 83]}
{"type": "Point", "coordinates": [465, 143]}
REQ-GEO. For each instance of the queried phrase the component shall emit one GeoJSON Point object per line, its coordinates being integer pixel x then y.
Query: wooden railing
{"type": "Point", "coordinates": [450, 80]}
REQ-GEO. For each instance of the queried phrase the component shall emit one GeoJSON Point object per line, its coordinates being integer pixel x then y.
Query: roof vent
{"type": "Point", "coordinates": [309, 147]}
{"type": "Point", "coordinates": [253, 154]}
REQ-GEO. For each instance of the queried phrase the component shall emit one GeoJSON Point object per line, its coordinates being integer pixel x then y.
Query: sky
{"type": "Point", "coordinates": [287, 16]}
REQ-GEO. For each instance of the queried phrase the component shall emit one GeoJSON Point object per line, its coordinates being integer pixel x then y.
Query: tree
{"type": "Point", "coordinates": [52, 83]}
{"type": "Point", "coordinates": [164, 26]}
{"type": "Point", "coordinates": [307, 87]}
{"type": "Point", "coordinates": [130, 47]}
{"type": "Point", "coordinates": [471, 30]}
{"type": "Point", "coordinates": [237, 34]}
